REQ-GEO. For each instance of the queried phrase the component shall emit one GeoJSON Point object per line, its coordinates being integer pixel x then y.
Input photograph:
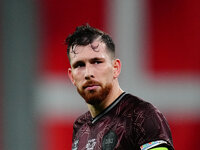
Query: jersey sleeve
{"type": "Point", "coordinates": [152, 128]}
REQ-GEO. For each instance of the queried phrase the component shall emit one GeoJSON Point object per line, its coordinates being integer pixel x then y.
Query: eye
{"type": "Point", "coordinates": [79, 65]}
{"type": "Point", "coordinates": [97, 62]}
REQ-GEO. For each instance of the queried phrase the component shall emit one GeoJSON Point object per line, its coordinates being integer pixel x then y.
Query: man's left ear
{"type": "Point", "coordinates": [116, 67]}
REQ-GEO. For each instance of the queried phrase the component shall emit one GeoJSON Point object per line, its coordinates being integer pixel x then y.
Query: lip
{"type": "Point", "coordinates": [91, 87]}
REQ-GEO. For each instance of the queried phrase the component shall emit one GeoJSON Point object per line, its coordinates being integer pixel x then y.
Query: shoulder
{"type": "Point", "coordinates": [138, 105]}
{"type": "Point", "coordinates": [144, 111]}
{"type": "Point", "coordinates": [141, 113]}
{"type": "Point", "coordinates": [81, 120]}
{"type": "Point", "coordinates": [149, 123]}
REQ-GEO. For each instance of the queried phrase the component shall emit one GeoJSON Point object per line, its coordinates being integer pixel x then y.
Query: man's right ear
{"type": "Point", "coordinates": [70, 75]}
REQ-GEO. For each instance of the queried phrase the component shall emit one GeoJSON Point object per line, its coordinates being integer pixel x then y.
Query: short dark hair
{"type": "Point", "coordinates": [85, 34]}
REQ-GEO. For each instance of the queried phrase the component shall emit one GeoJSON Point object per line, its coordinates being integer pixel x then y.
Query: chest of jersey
{"type": "Point", "coordinates": [106, 134]}
{"type": "Point", "coordinates": [127, 124]}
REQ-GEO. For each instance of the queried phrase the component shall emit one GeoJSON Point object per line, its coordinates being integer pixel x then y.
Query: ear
{"type": "Point", "coordinates": [117, 67]}
{"type": "Point", "coordinates": [70, 75]}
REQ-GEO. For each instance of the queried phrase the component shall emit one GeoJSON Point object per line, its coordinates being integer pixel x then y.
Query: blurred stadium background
{"type": "Point", "coordinates": [157, 41]}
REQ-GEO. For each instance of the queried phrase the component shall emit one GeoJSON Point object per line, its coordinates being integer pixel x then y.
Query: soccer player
{"type": "Point", "coordinates": [116, 119]}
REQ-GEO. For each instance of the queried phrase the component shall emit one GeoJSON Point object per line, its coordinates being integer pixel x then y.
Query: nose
{"type": "Point", "coordinates": [88, 72]}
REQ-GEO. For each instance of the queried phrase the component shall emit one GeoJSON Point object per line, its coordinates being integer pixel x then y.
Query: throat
{"type": "Point", "coordinates": [107, 109]}
{"type": "Point", "coordinates": [96, 109]}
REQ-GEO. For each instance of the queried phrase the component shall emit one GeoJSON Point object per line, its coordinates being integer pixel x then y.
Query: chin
{"type": "Point", "coordinates": [95, 97]}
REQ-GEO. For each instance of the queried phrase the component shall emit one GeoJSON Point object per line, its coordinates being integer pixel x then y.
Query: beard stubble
{"type": "Point", "coordinates": [95, 97]}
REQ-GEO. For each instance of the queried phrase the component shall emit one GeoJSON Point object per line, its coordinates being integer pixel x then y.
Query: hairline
{"type": "Point", "coordinates": [108, 50]}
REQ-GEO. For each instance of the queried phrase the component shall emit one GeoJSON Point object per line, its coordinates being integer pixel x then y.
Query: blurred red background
{"type": "Point", "coordinates": [173, 34]}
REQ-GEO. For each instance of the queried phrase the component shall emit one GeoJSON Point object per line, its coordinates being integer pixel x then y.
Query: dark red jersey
{"type": "Point", "coordinates": [129, 123]}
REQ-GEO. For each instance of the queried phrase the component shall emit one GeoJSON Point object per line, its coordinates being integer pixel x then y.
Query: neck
{"type": "Point", "coordinates": [115, 92]}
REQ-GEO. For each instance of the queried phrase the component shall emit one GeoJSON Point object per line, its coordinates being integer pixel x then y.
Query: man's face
{"type": "Point", "coordinates": [92, 71]}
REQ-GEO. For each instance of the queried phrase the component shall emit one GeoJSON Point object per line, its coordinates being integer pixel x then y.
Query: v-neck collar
{"type": "Point", "coordinates": [95, 119]}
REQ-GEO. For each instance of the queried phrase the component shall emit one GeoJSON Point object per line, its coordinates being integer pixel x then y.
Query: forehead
{"type": "Point", "coordinates": [94, 50]}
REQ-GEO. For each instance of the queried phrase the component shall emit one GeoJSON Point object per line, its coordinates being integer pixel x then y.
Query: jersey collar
{"type": "Point", "coordinates": [108, 108]}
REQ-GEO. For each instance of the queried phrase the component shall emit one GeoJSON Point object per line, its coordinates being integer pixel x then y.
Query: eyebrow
{"type": "Point", "coordinates": [90, 60]}
{"type": "Point", "coordinates": [97, 58]}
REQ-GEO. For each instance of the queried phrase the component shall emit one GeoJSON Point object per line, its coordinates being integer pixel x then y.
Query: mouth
{"type": "Point", "coordinates": [91, 86]}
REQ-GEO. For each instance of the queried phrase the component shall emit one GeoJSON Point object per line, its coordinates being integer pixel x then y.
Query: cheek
{"type": "Point", "coordinates": [108, 75]}
{"type": "Point", "coordinates": [76, 77]}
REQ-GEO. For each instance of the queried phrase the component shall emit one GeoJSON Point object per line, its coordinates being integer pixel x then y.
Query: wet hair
{"type": "Point", "coordinates": [84, 35]}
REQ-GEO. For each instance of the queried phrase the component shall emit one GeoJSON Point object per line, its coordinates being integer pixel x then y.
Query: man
{"type": "Point", "coordinates": [115, 120]}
